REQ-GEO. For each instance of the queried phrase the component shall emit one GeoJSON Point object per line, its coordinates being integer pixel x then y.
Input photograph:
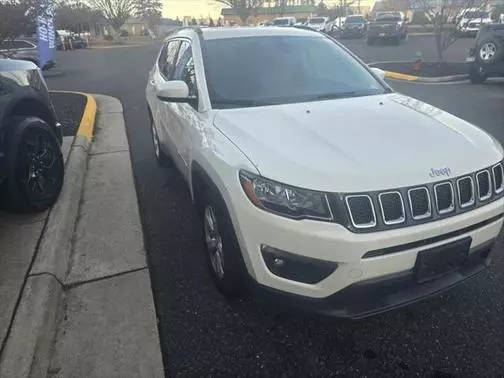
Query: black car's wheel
{"type": "Point", "coordinates": [490, 50]}
{"type": "Point", "coordinates": [161, 157]}
{"type": "Point", "coordinates": [396, 40]}
{"type": "Point", "coordinates": [477, 74]}
{"type": "Point", "coordinates": [223, 251]}
{"type": "Point", "coordinates": [35, 167]}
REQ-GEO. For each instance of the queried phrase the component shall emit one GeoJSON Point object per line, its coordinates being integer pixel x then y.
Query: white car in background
{"type": "Point", "coordinates": [471, 21]}
{"type": "Point", "coordinates": [320, 24]}
{"type": "Point", "coordinates": [315, 182]}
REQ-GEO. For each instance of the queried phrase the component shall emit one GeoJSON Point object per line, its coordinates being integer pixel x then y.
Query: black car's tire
{"type": "Point", "coordinates": [159, 154]}
{"type": "Point", "coordinates": [489, 51]}
{"type": "Point", "coordinates": [221, 246]}
{"type": "Point", "coordinates": [397, 40]}
{"type": "Point", "coordinates": [477, 74]}
{"type": "Point", "coordinates": [35, 168]}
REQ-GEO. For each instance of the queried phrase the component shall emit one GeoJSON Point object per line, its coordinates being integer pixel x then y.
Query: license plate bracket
{"type": "Point", "coordinates": [435, 262]}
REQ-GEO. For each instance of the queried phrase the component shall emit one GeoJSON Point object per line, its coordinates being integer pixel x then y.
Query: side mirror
{"type": "Point", "coordinates": [173, 91]}
{"type": "Point", "coordinates": [378, 72]}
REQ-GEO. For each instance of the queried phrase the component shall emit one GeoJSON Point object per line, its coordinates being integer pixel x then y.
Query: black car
{"type": "Point", "coordinates": [355, 27]}
{"type": "Point", "coordinates": [31, 162]}
{"type": "Point", "coordinates": [487, 55]}
{"type": "Point", "coordinates": [387, 26]}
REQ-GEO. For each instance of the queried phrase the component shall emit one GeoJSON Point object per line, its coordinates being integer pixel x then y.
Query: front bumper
{"type": "Point", "coordinates": [333, 242]}
{"type": "Point", "coordinates": [384, 34]}
{"type": "Point", "coordinates": [374, 296]}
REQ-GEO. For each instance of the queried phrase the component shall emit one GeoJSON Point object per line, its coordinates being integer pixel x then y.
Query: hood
{"type": "Point", "coordinates": [357, 144]}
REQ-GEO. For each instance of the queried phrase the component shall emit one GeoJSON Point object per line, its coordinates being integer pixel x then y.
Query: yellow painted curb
{"type": "Point", "coordinates": [400, 76]}
{"type": "Point", "coordinates": [87, 122]}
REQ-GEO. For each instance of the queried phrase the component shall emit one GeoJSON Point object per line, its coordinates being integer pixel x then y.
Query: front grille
{"type": "Point", "coordinates": [484, 191]}
{"type": "Point", "coordinates": [392, 207]}
{"type": "Point", "coordinates": [398, 207]}
{"type": "Point", "coordinates": [498, 178]}
{"type": "Point", "coordinates": [444, 197]}
{"type": "Point", "coordinates": [420, 204]}
{"type": "Point", "coordinates": [465, 191]}
{"type": "Point", "coordinates": [361, 211]}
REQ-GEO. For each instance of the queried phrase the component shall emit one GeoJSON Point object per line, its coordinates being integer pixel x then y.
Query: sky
{"type": "Point", "coordinates": [193, 8]}
{"type": "Point", "coordinates": [200, 8]}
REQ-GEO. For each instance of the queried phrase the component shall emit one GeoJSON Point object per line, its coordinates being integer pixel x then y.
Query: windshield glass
{"type": "Point", "coordinates": [298, 69]}
{"type": "Point", "coordinates": [355, 20]}
{"type": "Point", "coordinates": [388, 17]}
{"type": "Point", "coordinates": [319, 20]}
{"type": "Point", "coordinates": [281, 21]}
{"type": "Point", "coordinates": [476, 14]}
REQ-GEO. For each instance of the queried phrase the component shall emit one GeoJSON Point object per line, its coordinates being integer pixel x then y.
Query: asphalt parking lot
{"type": "Point", "coordinates": [458, 334]}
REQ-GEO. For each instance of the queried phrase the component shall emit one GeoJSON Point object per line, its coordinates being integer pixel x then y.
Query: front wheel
{"type": "Point", "coordinates": [35, 167]}
{"type": "Point", "coordinates": [223, 252]}
{"type": "Point", "coordinates": [161, 157]}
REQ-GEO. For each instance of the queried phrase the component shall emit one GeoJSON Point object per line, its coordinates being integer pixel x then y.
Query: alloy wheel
{"type": "Point", "coordinates": [488, 51]}
{"type": "Point", "coordinates": [213, 241]}
{"type": "Point", "coordinates": [38, 171]}
{"type": "Point", "coordinates": [155, 141]}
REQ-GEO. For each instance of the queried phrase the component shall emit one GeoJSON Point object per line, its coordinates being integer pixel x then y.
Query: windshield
{"type": "Point", "coordinates": [389, 17]}
{"type": "Point", "coordinates": [476, 14]}
{"type": "Point", "coordinates": [355, 20]}
{"type": "Point", "coordinates": [281, 21]}
{"type": "Point", "coordinates": [319, 20]}
{"type": "Point", "coordinates": [298, 69]}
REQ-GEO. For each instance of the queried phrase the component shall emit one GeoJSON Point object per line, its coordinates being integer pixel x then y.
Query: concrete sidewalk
{"type": "Point", "coordinates": [90, 312]}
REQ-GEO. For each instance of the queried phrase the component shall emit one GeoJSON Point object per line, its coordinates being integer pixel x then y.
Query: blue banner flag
{"type": "Point", "coordinates": [45, 32]}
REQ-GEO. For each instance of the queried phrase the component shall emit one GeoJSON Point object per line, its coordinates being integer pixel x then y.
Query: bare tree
{"type": "Point", "coordinates": [149, 10]}
{"type": "Point", "coordinates": [441, 14]}
{"type": "Point", "coordinates": [116, 11]}
{"type": "Point", "coordinates": [244, 8]}
{"type": "Point", "coordinates": [19, 17]}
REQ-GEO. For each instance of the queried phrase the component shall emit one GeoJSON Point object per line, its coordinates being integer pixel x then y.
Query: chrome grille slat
{"type": "Point", "coordinates": [441, 196]}
{"type": "Point", "coordinates": [358, 203]}
{"type": "Point", "coordinates": [413, 202]}
{"type": "Point", "coordinates": [386, 208]}
{"type": "Point", "coordinates": [498, 178]}
{"type": "Point", "coordinates": [484, 188]}
{"type": "Point", "coordinates": [462, 187]}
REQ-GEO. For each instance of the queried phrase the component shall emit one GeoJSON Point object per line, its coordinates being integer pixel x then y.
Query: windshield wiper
{"type": "Point", "coordinates": [240, 102]}
{"type": "Point", "coordinates": [330, 96]}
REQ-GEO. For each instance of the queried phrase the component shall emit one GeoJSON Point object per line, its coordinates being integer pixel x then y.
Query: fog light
{"type": "Point", "coordinates": [297, 268]}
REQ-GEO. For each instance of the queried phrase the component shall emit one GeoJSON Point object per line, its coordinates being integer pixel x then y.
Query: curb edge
{"type": "Point", "coordinates": [31, 358]}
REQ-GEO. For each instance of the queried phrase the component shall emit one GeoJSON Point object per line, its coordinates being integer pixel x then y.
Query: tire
{"type": "Point", "coordinates": [490, 50]}
{"type": "Point", "coordinates": [477, 74]}
{"type": "Point", "coordinates": [397, 40]}
{"type": "Point", "coordinates": [34, 165]}
{"type": "Point", "coordinates": [159, 154]}
{"type": "Point", "coordinates": [223, 252]}
{"type": "Point", "coordinates": [370, 41]}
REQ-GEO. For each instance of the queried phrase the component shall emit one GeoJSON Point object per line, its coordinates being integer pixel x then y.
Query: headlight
{"type": "Point", "coordinates": [285, 200]}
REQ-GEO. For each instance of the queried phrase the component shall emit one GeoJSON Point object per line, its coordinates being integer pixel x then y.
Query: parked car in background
{"type": "Point", "coordinates": [387, 26]}
{"type": "Point", "coordinates": [23, 50]}
{"type": "Point", "coordinates": [31, 163]}
{"type": "Point", "coordinates": [348, 218]}
{"type": "Point", "coordinates": [355, 26]}
{"type": "Point", "coordinates": [320, 24]}
{"type": "Point", "coordinates": [284, 21]}
{"type": "Point", "coordinates": [336, 25]}
{"type": "Point", "coordinates": [471, 21]}
{"type": "Point", "coordinates": [487, 55]}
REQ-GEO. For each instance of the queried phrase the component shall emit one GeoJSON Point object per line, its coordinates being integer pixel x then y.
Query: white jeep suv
{"type": "Point", "coordinates": [314, 178]}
